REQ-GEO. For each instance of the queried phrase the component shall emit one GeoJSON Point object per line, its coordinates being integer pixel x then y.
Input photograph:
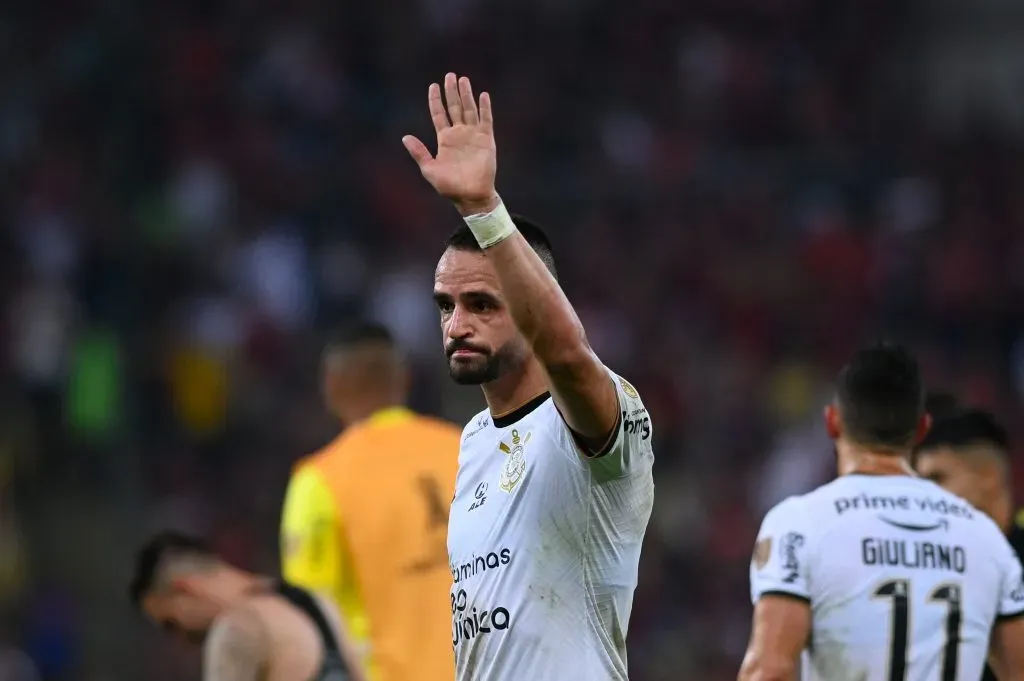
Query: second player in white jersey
{"type": "Point", "coordinates": [544, 544]}
{"type": "Point", "coordinates": [904, 579]}
{"type": "Point", "coordinates": [881, 575]}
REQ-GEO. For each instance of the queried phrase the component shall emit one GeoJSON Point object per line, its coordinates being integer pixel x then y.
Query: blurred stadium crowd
{"type": "Point", "coordinates": [194, 192]}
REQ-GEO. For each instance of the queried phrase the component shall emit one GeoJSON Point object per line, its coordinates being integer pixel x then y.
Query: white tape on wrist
{"type": "Point", "coordinates": [491, 228]}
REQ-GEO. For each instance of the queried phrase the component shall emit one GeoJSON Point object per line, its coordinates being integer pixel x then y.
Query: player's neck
{"type": "Point", "coordinates": [515, 388]}
{"type": "Point", "coordinates": [236, 586]}
{"type": "Point", "coordinates": [853, 460]}
{"type": "Point", "coordinates": [354, 414]}
{"type": "Point", "coordinates": [1001, 511]}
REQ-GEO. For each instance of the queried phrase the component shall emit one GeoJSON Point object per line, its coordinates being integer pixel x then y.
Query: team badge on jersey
{"type": "Point", "coordinates": [628, 388]}
{"type": "Point", "coordinates": [762, 552]}
{"type": "Point", "coordinates": [515, 465]}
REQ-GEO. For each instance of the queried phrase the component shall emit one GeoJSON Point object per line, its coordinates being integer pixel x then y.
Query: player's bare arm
{"type": "Point", "coordinates": [781, 629]}
{"type": "Point", "coordinates": [1006, 649]}
{"type": "Point", "coordinates": [349, 653]}
{"type": "Point", "coordinates": [463, 170]}
{"type": "Point", "coordinates": [236, 649]}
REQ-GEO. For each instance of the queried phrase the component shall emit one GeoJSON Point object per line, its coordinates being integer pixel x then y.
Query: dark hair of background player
{"type": "Point", "coordinates": [358, 333]}
{"type": "Point", "coordinates": [153, 556]}
{"type": "Point", "coordinates": [939, 403]}
{"type": "Point", "coordinates": [880, 397]}
{"type": "Point", "coordinates": [363, 371]}
{"type": "Point", "coordinates": [964, 428]}
{"type": "Point", "coordinates": [462, 239]}
{"type": "Point", "coordinates": [967, 452]}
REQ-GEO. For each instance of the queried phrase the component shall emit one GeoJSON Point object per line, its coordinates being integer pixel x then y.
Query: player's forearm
{"type": "Point", "coordinates": [767, 668]}
{"type": "Point", "coordinates": [536, 302]}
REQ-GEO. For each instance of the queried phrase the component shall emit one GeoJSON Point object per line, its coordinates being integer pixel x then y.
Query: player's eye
{"type": "Point", "coordinates": [445, 306]}
{"type": "Point", "coordinates": [480, 306]}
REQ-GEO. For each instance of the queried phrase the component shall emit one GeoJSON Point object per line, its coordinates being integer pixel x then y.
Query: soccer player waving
{"type": "Point", "coordinates": [881, 575]}
{"type": "Point", "coordinates": [554, 487]}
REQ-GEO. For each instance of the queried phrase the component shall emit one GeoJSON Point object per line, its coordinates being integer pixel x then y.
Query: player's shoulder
{"type": "Point", "coordinates": [244, 624]}
{"type": "Point", "coordinates": [324, 455]}
{"type": "Point", "coordinates": [309, 467]}
{"type": "Point", "coordinates": [635, 417]}
{"type": "Point", "coordinates": [789, 510]}
{"type": "Point", "coordinates": [269, 612]}
{"type": "Point", "coordinates": [309, 492]}
{"type": "Point", "coordinates": [623, 386]}
{"type": "Point", "coordinates": [989, 530]}
{"type": "Point", "coordinates": [480, 422]}
{"type": "Point", "coordinates": [804, 510]}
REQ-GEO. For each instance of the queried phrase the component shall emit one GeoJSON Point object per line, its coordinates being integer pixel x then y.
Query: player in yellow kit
{"type": "Point", "coordinates": [365, 518]}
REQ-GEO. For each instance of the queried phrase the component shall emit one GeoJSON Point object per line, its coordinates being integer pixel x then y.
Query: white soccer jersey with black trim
{"type": "Point", "coordinates": [904, 579]}
{"type": "Point", "coordinates": [544, 545]}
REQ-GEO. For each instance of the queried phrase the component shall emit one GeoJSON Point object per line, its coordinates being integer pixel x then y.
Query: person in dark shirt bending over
{"type": "Point", "coordinates": [253, 628]}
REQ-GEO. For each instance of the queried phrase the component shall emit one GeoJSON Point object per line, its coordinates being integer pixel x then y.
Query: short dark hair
{"type": "Point", "coordinates": [938, 403]}
{"type": "Point", "coordinates": [462, 239]}
{"type": "Point", "coordinates": [152, 556]}
{"type": "Point", "coordinates": [358, 333]}
{"type": "Point", "coordinates": [881, 396]}
{"type": "Point", "coordinates": [966, 427]}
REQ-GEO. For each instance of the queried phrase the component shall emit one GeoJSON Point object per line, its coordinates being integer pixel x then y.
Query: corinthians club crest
{"type": "Point", "coordinates": [515, 465]}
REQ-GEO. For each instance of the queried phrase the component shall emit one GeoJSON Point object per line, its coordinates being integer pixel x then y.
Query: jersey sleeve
{"type": "Point", "coordinates": [629, 445]}
{"type": "Point", "coordinates": [310, 552]}
{"type": "Point", "coordinates": [1011, 593]}
{"type": "Point", "coordinates": [781, 557]}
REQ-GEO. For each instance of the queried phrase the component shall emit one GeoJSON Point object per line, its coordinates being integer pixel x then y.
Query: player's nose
{"type": "Point", "coordinates": [459, 324]}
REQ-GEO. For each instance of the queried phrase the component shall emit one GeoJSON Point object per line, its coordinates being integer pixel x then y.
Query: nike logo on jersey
{"type": "Point", "coordinates": [941, 524]}
{"type": "Point", "coordinates": [481, 423]}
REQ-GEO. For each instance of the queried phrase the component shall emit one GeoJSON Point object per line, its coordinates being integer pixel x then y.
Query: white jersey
{"type": "Point", "coordinates": [544, 544]}
{"type": "Point", "coordinates": [904, 579]}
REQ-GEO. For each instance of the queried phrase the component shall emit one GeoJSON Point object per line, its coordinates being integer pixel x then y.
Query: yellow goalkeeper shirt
{"type": "Point", "coordinates": [365, 522]}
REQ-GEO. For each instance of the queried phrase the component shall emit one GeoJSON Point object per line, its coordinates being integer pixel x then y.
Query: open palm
{"type": "Point", "coordinates": [466, 162]}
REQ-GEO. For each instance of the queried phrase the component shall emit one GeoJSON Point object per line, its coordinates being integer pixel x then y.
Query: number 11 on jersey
{"type": "Point", "coordinates": [898, 591]}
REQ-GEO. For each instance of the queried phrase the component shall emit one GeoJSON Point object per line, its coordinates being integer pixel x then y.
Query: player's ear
{"type": "Point", "coordinates": [833, 424]}
{"type": "Point", "coordinates": [924, 424]}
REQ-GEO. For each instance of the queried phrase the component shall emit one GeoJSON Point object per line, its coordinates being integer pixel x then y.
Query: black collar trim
{"type": "Point", "coordinates": [515, 415]}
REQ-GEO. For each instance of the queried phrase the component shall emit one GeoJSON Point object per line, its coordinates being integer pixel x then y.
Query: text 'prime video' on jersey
{"type": "Point", "coordinates": [881, 502]}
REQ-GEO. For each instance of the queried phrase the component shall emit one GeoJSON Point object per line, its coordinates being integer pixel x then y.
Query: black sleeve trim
{"type": "Point", "coordinates": [603, 450]}
{"type": "Point", "coordinates": [787, 594]}
{"type": "Point", "coordinates": [1010, 617]}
